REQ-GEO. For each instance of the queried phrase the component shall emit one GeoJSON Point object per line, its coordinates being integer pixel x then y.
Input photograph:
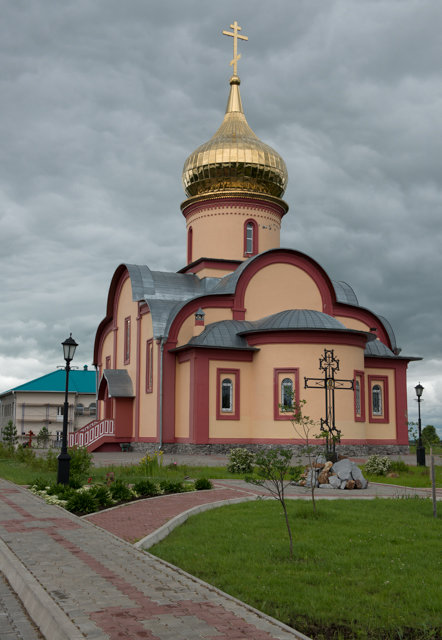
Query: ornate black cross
{"type": "Point", "coordinates": [329, 365]}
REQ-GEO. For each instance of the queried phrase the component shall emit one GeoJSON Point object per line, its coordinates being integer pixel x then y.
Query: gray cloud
{"type": "Point", "coordinates": [102, 102]}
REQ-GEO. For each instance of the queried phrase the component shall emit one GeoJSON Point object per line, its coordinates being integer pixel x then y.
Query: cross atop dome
{"type": "Point", "coordinates": [235, 35]}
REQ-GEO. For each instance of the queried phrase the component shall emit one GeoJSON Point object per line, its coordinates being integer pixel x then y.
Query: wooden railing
{"type": "Point", "coordinates": [90, 433]}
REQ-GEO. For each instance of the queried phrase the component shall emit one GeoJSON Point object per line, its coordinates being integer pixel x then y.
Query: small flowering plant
{"type": "Point", "coordinates": [378, 465]}
{"type": "Point", "coordinates": [151, 464]}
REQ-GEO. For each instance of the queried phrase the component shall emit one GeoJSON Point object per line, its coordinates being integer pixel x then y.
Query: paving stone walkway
{"type": "Point", "coordinates": [15, 623]}
{"type": "Point", "coordinates": [80, 581]}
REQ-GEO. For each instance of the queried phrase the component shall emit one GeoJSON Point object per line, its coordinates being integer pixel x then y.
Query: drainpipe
{"type": "Point", "coordinates": [162, 343]}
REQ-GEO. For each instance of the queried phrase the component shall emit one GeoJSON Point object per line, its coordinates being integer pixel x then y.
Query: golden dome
{"type": "Point", "coordinates": [234, 159]}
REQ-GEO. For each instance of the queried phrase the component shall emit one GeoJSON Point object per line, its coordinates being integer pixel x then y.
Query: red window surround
{"type": "Point", "coordinates": [127, 340]}
{"type": "Point", "coordinates": [278, 376]}
{"type": "Point", "coordinates": [250, 237]}
{"type": "Point", "coordinates": [108, 363]}
{"type": "Point", "coordinates": [382, 381]}
{"type": "Point", "coordinates": [359, 375]}
{"type": "Point", "coordinates": [149, 366]}
{"type": "Point", "coordinates": [233, 375]}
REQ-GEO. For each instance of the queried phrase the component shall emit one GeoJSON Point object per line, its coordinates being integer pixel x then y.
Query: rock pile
{"type": "Point", "coordinates": [343, 474]}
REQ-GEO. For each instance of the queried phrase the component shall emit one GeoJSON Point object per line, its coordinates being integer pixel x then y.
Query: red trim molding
{"type": "Point", "coordinates": [320, 336]}
{"type": "Point", "coordinates": [383, 382]}
{"type": "Point", "coordinates": [231, 374]}
{"type": "Point", "coordinates": [277, 377]}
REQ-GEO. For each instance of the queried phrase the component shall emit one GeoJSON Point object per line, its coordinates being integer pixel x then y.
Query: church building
{"type": "Point", "coordinates": [212, 356]}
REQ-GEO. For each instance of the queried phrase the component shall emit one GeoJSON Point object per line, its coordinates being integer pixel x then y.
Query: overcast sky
{"type": "Point", "coordinates": [101, 101]}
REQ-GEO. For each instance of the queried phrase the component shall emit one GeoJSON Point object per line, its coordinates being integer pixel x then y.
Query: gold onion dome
{"type": "Point", "coordinates": [234, 159]}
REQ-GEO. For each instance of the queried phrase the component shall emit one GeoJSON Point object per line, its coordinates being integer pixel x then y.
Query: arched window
{"type": "Point", "coordinates": [286, 394]}
{"type": "Point", "coordinates": [250, 238]}
{"type": "Point", "coordinates": [93, 409]}
{"type": "Point", "coordinates": [227, 395]}
{"type": "Point", "coordinates": [376, 400]}
{"type": "Point", "coordinates": [189, 245]}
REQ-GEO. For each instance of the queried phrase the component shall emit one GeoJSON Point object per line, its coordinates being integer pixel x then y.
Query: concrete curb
{"type": "Point", "coordinates": [47, 615]}
{"type": "Point", "coordinates": [163, 531]}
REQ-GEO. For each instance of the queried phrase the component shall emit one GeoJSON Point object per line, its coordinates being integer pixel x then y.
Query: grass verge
{"type": "Point", "coordinates": [362, 570]}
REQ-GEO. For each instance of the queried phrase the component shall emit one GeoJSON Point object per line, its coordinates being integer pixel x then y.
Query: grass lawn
{"type": "Point", "coordinates": [362, 569]}
{"type": "Point", "coordinates": [418, 477]}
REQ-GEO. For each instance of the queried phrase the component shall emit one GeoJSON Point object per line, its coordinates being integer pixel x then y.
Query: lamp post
{"type": "Point", "coordinates": [64, 459]}
{"type": "Point", "coordinates": [420, 449]}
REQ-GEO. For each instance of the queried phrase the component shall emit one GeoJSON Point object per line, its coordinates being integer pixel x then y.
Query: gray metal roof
{"type": "Point", "coordinates": [119, 384]}
{"type": "Point", "coordinates": [297, 319]}
{"type": "Point", "coordinates": [228, 334]}
{"type": "Point", "coordinates": [378, 349]}
{"type": "Point", "coordinates": [345, 293]}
{"type": "Point", "coordinates": [223, 334]}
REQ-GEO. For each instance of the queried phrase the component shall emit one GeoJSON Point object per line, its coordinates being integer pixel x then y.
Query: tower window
{"type": "Point", "coordinates": [126, 340]}
{"type": "Point", "coordinates": [250, 238]}
{"type": "Point", "coordinates": [285, 392]}
{"type": "Point", "coordinates": [189, 245]}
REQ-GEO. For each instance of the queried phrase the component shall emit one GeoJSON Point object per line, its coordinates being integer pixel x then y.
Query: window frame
{"type": "Point", "coordinates": [127, 339]}
{"type": "Point", "coordinates": [189, 245]}
{"type": "Point", "coordinates": [234, 376]}
{"type": "Point", "coordinates": [254, 248]}
{"type": "Point", "coordinates": [149, 365]}
{"type": "Point", "coordinates": [359, 376]}
{"type": "Point", "coordinates": [278, 376]}
{"type": "Point", "coordinates": [382, 381]}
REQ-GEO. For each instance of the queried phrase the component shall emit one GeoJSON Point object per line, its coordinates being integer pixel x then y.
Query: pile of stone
{"type": "Point", "coordinates": [343, 474]}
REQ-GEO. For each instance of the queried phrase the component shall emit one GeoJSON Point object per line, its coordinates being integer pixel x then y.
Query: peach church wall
{"type": "Point", "coordinates": [147, 424]}
{"type": "Point", "coordinates": [278, 287]}
{"type": "Point", "coordinates": [182, 399]}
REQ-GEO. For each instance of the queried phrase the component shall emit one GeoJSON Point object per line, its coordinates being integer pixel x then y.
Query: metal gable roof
{"type": "Point", "coordinates": [80, 381]}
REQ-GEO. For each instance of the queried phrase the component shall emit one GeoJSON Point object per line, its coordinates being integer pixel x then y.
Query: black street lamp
{"type": "Point", "coordinates": [64, 459]}
{"type": "Point", "coordinates": [420, 449]}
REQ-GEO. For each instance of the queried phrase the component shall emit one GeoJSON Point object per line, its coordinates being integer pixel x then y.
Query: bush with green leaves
{"type": "Point", "coordinates": [172, 486]}
{"type": "Point", "coordinates": [146, 488]}
{"type": "Point", "coordinates": [102, 496]}
{"type": "Point", "coordinates": [81, 461]}
{"type": "Point", "coordinates": [120, 491]}
{"type": "Point", "coordinates": [378, 465]}
{"type": "Point", "coordinates": [25, 454]}
{"type": "Point", "coordinates": [399, 466]}
{"type": "Point", "coordinates": [429, 436]}
{"type": "Point", "coordinates": [240, 460]}
{"type": "Point", "coordinates": [81, 502]}
{"type": "Point", "coordinates": [202, 484]}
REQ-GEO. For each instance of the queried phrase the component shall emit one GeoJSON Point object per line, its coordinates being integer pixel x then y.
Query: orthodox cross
{"type": "Point", "coordinates": [329, 365]}
{"type": "Point", "coordinates": [235, 35]}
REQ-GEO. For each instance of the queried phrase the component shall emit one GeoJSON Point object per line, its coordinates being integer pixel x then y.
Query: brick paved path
{"type": "Point", "coordinates": [135, 520]}
{"type": "Point", "coordinates": [93, 585]}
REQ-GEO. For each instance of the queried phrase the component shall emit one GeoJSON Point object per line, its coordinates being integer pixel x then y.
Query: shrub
{"type": "Point", "coordinates": [203, 483]}
{"type": "Point", "coordinates": [25, 455]}
{"type": "Point", "coordinates": [75, 482]}
{"type": "Point", "coordinates": [146, 488]}
{"type": "Point", "coordinates": [81, 461]}
{"type": "Point", "coordinates": [82, 501]}
{"type": "Point", "coordinates": [102, 495]}
{"type": "Point", "coordinates": [399, 466]}
{"type": "Point", "coordinates": [151, 464]}
{"type": "Point", "coordinates": [240, 461]}
{"type": "Point", "coordinates": [51, 460]}
{"type": "Point", "coordinates": [120, 491]}
{"type": "Point", "coordinates": [39, 484]}
{"type": "Point", "coordinates": [171, 486]}
{"type": "Point", "coordinates": [378, 465]}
